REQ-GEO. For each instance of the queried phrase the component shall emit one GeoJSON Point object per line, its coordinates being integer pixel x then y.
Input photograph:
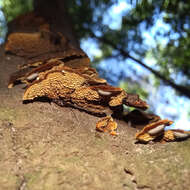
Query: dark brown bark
{"type": "Point", "coordinates": [54, 11]}
{"type": "Point", "coordinates": [45, 146]}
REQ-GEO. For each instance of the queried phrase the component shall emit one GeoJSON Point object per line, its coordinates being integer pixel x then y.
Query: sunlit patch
{"type": "Point", "coordinates": [104, 93]}
{"type": "Point", "coordinates": [32, 76]}
{"type": "Point", "coordinates": [156, 130]}
{"type": "Point", "coordinates": [120, 7]}
{"type": "Point", "coordinates": [182, 123]}
{"type": "Point", "coordinates": [113, 17]}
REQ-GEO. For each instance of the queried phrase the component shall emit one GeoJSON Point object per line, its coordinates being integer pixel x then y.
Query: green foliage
{"type": "Point", "coordinates": [174, 57]}
{"type": "Point", "coordinates": [171, 59]}
{"type": "Point", "coordinates": [13, 8]}
{"type": "Point", "coordinates": [87, 15]}
{"type": "Point", "coordinates": [134, 87]}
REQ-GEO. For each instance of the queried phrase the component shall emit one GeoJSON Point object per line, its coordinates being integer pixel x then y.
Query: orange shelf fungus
{"type": "Point", "coordinates": [108, 125]}
{"type": "Point", "coordinates": [152, 131]}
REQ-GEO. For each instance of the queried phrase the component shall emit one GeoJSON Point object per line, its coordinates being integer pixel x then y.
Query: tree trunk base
{"type": "Point", "coordinates": [44, 146]}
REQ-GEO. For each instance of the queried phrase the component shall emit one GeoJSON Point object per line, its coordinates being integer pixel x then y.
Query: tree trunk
{"type": "Point", "coordinates": [55, 13]}
{"type": "Point", "coordinates": [44, 146]}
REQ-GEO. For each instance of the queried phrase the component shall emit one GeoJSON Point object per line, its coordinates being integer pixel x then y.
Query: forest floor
{"type": "Point", "coordinates": [44, 146]}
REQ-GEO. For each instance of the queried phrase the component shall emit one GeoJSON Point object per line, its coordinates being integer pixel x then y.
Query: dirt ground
{"type": "Point", "coordinates": [45, 147]}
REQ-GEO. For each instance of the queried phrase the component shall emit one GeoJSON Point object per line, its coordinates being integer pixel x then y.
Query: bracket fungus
{"type": "Point", "coordinates": [108, 125]}
{"type": "Point", "coordinates": [152, 131]}
{"type": "Point", "coordinates": [176, 135]}
{"type": "Point", "coordinates": [54, 69]}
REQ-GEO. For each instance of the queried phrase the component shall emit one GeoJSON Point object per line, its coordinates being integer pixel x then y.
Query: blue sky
{"type": "Point", "coordinates": [177, 105]}
{"type": "Point", "coordinates": [1, 19]}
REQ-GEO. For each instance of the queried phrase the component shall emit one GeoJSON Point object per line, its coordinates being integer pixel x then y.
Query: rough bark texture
{"type": "Point", "coordinates": [44, 146]}
{"type": "Point", "coordinates": [55, 13]}
{"type": "Point", "coordinates": [47, 147]}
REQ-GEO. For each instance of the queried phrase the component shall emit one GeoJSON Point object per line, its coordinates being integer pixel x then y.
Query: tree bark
{"type": "Point", "coordinates": [56, 15]}
{"type": "Point", "coordinates": [44, 146]}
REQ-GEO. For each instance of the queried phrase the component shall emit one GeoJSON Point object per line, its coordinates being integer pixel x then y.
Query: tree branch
{"type": "Point", "coordinates": [182, 89]}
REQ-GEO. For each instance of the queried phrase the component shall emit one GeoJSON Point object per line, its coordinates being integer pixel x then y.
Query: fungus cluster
{"type": "Point", "coordinates": [54, 69]}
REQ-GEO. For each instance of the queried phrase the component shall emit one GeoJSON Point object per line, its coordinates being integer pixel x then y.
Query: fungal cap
{"type": "Point", "coordinates": [117, 100]}
{"type": "Point", "coordinates": [32, 76]}
{"type": "Point", "coordinates": [156, 130]}
{"type": "Point", "coordinates": [145, 138]}
{"type": "Point", "coordinates": [153, 130]}
{"type": "Point", "coordinates": [107, 88]}
{"type": "Point", "coordinates": [54, 84]}
{"type": "Point", "coordinates": [107, 124]}
{"type": "Point", "coordinates": [104, 93]}
{"type": "Point", "coordinates": [176, 134]}
{"type": "Point", "coordinates": [133, 100]}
